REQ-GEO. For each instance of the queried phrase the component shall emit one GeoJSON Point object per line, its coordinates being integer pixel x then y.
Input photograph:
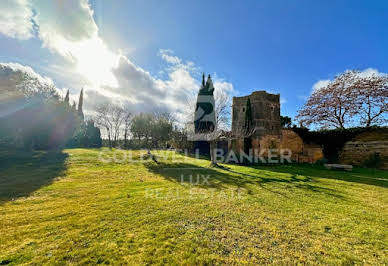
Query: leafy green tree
{"type": "Point", "coordinates": [152, 131]}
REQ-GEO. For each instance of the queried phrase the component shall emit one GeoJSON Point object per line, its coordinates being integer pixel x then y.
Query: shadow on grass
{"type": "Point", "coordinates": [22, 172]}
{"type": "Point", "coordinates": [219, 178]}
{"type": "Point", "coordinates": [358, 175]}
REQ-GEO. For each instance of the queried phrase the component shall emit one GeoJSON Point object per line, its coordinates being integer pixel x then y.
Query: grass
{"type": "Point", "coordinates": [74, 208]}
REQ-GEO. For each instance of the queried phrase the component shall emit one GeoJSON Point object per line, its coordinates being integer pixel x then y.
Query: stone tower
{"type": "Point", "coordinates": [261, 113]}
{"type": "Point", "coordinates": [265, 108]}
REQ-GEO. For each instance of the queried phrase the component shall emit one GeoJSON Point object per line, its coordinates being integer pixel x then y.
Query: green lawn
{"type": "Point", "coordinates": [73, 208]}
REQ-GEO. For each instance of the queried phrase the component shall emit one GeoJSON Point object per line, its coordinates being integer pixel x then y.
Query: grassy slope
{"type": "Point", "coordinates": [77, 209]}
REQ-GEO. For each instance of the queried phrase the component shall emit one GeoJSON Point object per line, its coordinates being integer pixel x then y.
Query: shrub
{"type": "Point", "coordinates": [322, 161]}
{"type": "Point", "coordinates": [374, 161]}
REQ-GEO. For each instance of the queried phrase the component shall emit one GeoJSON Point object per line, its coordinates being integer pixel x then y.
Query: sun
{"type": "Point", "coordinates": [96, 62]}
{"type": "Point", "coordinates": [92, 59]}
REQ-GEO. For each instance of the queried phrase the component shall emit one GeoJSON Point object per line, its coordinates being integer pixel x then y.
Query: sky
{"type": "Point", "coordinates": [151, 54]}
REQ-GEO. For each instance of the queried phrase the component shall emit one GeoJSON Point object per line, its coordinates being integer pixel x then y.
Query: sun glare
{"type": "Point", "coordinates": [93, 60]}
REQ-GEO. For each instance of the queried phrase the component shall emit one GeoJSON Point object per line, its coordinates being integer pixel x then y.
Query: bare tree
{"type": "Point", "coordinates": [118, 115]}
{"type": "Point", "coordinates": [111, 118]}
{"type": "Point", "coordinates": [332, 105]}
{"type": "Point", "coordinates": [371, 94]}
{"type": "Point", "coordinates": [222, 110]}
{"type": "Point", "coordinates": [127, 126]}
{"type": "Point", "coordinates": [103, 119]}
{"type": "Point", "coordinates": [351, 96]}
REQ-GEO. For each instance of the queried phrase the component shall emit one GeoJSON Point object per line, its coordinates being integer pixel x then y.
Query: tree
{"type": "Point", "coordinates": [179, 139]}
{"type": "Point", "coordinates": [332, 105]}
{"type": "Point", "coordinates": [90, 135]}
{"type": "Point", "coordinates": [32, 114]}
{"type": "Point", "coordinates": [248, 121]}
{"type": "Point", "coordinates": [141, 127]}
{"type": "Point", "coordinates": [80, 104]}
{"type": "Point", "coordinates": [66, 100]}
{"type": "Point", "coordinates": [351, 96]}
{"type": "Point", "coordinates": [117, 114]}
{"type": "Point", "coordinates": [152, 130]}
{"type": "Point", "coordinates": [222, 102]}
{"type": "Point", "coordinates": [24, 85]}
{"type": "Point", "coordinates": [104, 119]}
{"type": "Point", "coordinates": [127, 126]}
{"type": "Point", "coordinates": [285, 121]}
{"type": "Point", "coordinates": [162, 127]}
{"type": "Point", "coordinates": [371, 94]}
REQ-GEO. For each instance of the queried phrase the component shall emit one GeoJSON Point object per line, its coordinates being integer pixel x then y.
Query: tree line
{"type": "Point", "coordinates": [121, 128]}
{"type": "Point", "coordinates": [34, 116]}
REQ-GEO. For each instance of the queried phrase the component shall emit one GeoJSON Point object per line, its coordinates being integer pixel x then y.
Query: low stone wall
{"type": "Point", "coordinates": [356, 152]}
{"type": "Point", "coordinates": [311, 153]}
{"type": "Point", "coordinates": [291, 141]}
{"type": "Point", "coordinates": [300, 152]}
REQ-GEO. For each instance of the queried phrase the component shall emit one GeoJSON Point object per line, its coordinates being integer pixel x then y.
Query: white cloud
{"type": "Point", "coordinates": [320, 84]}
{"type": "Point", "coordinates": [365, 73]}
{"type": "Point", "coordinates": [16, 19]}
{"type": "Point", "coordinates": [67, 28]}
{"type": "Point", "coordinates": [370, 72]}
{"type": "Point", "coordinates": [64, 27]}
{"type": "Point", "coordinates": [169, 57]}
{"type": "Point", "coordinates": [64, 24]}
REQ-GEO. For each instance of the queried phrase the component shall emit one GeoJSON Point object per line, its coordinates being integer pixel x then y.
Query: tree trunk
{"type": "Point", "coordinates": [125, 140]}
{"type": "Point", "coordinates": [213, 150]}
{"type": "Point", "coordinates": [110, 144]}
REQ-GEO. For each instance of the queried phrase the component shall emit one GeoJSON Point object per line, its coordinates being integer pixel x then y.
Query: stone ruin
{"type": "Point", "coordinates": [265, 130]}
{"type": "Point", "coordinates": [265, 113]}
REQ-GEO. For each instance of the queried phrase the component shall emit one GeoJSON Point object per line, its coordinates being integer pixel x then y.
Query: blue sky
{"type": "Point", "coordinates": [279, 46]}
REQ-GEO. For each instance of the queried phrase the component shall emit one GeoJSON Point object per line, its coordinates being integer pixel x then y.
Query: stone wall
{"type": "Point", "coordinates": [311, 153]}
{"type": "Point", "coordinates": [300, 151]}
{"type": "Point", "coordinates": [356, 152]}
{"type": "Point", "coordinates": [290, 140]}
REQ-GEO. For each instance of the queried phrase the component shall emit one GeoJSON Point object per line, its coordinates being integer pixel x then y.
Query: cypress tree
{"type": "Point", "coordinates": [248, 117]}
{"type": "Point", "coordinates": [80, 103]}
{"type": "Point", "coordinates": [66, 100]}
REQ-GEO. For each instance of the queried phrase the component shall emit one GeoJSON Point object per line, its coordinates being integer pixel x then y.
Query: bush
{"type": "Point", "coordinates": [322, 161]}
{"type": "Point", "coordinates": [374, 161]}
